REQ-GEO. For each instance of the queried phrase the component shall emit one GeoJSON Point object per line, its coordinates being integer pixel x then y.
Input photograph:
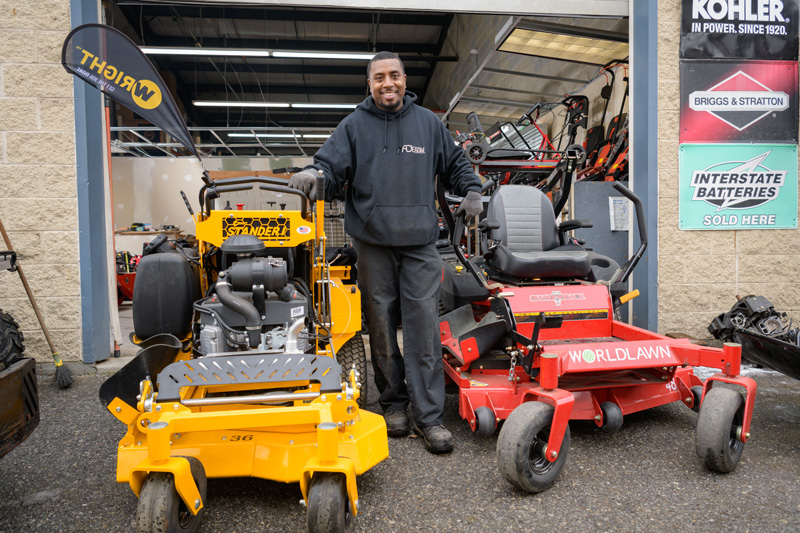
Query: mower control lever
{"type": "Point", "coordinates": [458, 230]}
{"type": "Point", "coordinates": [186, 201]}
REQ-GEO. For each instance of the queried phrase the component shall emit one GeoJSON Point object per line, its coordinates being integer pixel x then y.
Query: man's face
{"type": "Point", "coordinates": [387, 83]}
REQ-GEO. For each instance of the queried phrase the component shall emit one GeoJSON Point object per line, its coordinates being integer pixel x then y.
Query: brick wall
{"type": "Point", "coordinates": [700, 272]}
{"type": "Point", "coordinates": [38, 203]}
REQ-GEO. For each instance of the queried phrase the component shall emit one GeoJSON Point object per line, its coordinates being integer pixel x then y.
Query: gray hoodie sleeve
{"type": "Point", "coordinates": [335, 159]}
{"type": "Point", "coordinates": [457, 173]}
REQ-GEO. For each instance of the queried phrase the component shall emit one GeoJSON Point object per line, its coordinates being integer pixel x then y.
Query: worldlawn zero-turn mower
{"type": "Point", "coordinates": [258, 377]}
{"type": "Point", "coordinates": [537, 344]}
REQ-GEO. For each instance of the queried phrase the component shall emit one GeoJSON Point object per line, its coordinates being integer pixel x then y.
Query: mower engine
{"type": "Point", "coordinates": [253, 307]}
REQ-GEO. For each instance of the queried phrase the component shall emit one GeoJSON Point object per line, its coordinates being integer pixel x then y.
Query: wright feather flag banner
{"type": "Point", "coordinates": [107, 59]}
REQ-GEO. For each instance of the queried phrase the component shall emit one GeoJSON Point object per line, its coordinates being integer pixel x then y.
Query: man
{"type": "Point", "coordinates": [385, 156]}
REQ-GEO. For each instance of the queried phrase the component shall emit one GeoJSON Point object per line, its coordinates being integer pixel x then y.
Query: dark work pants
{"type": "Point", "coordinates": [405, 280]}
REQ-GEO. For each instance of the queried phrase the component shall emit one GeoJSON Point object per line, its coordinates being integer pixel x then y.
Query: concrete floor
{"type": "Point", "coordinates": [646, 477]}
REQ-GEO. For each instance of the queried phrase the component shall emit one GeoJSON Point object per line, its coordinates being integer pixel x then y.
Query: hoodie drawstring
{"type": "Point", "coordinates": [385, 133]}
{"type": "Point", "coordinates": [399, 134]}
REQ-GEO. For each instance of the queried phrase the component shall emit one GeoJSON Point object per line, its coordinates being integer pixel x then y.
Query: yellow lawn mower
{"type": "Point", "coordinates": [251, 364]}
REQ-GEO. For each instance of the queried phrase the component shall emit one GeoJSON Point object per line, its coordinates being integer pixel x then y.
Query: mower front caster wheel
{"type": "Point", "coordinates": [485, 422]}
{"type": "Point", "coordinates": [522, 445]}
{"type": "Point", "coordinates": [161, 507]}
{"type": "Point", "coordinates": [719, 427]}
{"type": "Point", "coordinates": [328, 506]}
{"type": "Point", "coordinates": [612, 417]}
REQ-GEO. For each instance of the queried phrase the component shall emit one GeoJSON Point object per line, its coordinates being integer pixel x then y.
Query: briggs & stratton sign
{"type": "Point", "coordinates": [729, 101]}
{"type": "Point", "coordinates": [739, 29]}
{"type": "Point", "coordinates": [738, 186]}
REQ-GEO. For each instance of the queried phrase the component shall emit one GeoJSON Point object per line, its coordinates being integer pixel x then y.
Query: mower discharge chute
{"type": "Point", "coordinates": [251, 365]}
{"type": "Point", "coordinates": [529, 335]}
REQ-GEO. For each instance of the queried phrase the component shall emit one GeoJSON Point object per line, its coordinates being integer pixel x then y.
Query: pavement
{"type": "Point", "coordinates": [645, 477]}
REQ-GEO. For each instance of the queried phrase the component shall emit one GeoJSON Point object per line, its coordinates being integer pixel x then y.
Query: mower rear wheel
{"type": "Point", "coordinates": [612, 417]}
{"type": "Point", "coordinates": [161, 507]}
{"type": "Point", "coordinates": [485, 422]}
{"type": "Point", "coordinates": [719, 426]}
{"type": "Point", "coordinates": [328, 507]}
{"type": "Point", "coordinates": [522, 445]}
{"type": "Point", "coordinates": [11, 338]}
{"type": "Point", "coordinates": [353, 353]}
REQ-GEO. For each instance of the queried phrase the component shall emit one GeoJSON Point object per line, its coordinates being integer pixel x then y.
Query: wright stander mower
{"type": "Point", "coordinates": [258, 377]}
{"type": "Point", "coordinates": [529, 335]}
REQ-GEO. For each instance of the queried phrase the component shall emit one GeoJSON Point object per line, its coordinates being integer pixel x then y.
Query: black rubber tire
{"type": "Point", "coordinates": [328, 508]}
{"type": "Point", "coordinates": [612, 417]}
{"type": "Point", "coordinates": [697, 393]}
{"type": "Point", "coordinates": [352, 353]}
{"type": "Point", "coordinates": [718, 424]}
{"type": "Point", "coordinates": [476, 154]}
{"type": "Point", "coordinates": [522, 444]}
{"type": "Point", "coordinates": [11, 341]}
{"type": "Point", "coordinates": [485, 422]}
{"type": "Point", "coordinates": [160, 507]}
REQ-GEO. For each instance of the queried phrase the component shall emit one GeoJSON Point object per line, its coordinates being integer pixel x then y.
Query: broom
{"type": "Point", "coordinates": [63, 376]}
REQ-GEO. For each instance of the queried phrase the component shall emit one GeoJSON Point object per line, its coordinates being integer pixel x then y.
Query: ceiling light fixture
{"type": "Point", "coordinates": [316, 135]}
{"type": "Point", "coordinates": [574, 48]}
{"type": "Point", "coordinates": [267, 135]}
{"type": "Point", "coordinates": [321, 55]}
{"type": "Point", "coordinates": [322, 106]}
{"type": "Point", "coordinates": [246, 52]}
{"type": "Point", "coordinates": [211, 103]}
{"type": "Point", "coordinates": [238, 52]}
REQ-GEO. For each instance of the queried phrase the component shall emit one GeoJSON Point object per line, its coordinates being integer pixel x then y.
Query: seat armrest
{"type": "Point", "coordinates": [569, 225]}
{"type": "Point", "coordinates": [486, 225]}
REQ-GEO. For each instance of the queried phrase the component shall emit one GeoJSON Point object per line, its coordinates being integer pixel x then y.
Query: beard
{"type": "Point", "coordinates": [393, 106]}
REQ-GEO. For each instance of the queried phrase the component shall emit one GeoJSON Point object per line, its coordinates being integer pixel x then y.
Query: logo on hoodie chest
{"type": "Point", "coordinates": [413, 149]}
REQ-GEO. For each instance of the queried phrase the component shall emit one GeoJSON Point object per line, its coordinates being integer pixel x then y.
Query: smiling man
{"type": "Point", "coordinates": [386, 156]}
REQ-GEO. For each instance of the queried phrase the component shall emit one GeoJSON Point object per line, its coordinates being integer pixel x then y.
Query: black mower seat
{"type": "Point", "coordinates": [529, 246]}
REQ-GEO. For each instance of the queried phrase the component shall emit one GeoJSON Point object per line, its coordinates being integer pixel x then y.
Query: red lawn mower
{"type": "Point", "coordinates": [529, 335]}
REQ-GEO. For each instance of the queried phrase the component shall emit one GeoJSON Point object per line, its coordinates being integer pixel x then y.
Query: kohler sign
{"type": "Point", "coordinates": [739, 29]}
{"type": "Point", "coordinates": [742, 10]}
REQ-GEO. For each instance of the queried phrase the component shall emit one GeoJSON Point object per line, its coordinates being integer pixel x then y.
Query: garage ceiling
{"type": "Point", "coordinates": [505, 85]}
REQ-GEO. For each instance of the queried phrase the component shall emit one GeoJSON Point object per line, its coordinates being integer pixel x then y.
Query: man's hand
{"type": "Point", "coordinates": [471, 205]}
{"type": "Point", "coordinates": [305, 181]}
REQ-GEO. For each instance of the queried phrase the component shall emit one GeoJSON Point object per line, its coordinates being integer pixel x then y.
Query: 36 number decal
{"type": "Point", "coordinates": [241, 437]}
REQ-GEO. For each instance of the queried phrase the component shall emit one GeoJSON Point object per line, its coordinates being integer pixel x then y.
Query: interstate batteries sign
{"type": "Point", "coordinates": [738, 186]}
{"type": "Point", "coordinates": [729, 101]}
{"type": "Point", "coordinates": [739, 29]}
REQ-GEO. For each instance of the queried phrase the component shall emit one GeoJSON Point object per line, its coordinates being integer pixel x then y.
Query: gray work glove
{"type": "Point", "coordinates": [305, 181]}
{"type": "Point", "coordinates": [471, 205]}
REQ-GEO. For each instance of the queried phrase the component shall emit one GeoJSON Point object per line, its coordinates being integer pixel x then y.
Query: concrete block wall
{"type": "Point", "coordinates": [701, 272]}
{"type": "Point", "coordinates": [38, 195]}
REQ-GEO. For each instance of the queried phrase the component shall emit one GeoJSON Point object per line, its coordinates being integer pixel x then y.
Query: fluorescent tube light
{"type": "Point", "coordinates": [238, 52]}
{"type": "Point", "coordinates": [322, 55]}
{"type": "Point", "coordinates": [207, 103]}
{"type": "Point", "coordinates": [322, 106]}
{"type": "Point", "coordinates": [316, 136]}
{"type": "Point", "coordinates": [267, 135]}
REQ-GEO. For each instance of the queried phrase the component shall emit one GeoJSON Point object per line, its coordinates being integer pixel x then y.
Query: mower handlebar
{"type": "Point", "coordinates": [637, 202]}
{"type": "Point", "coordinates": [634, 260]}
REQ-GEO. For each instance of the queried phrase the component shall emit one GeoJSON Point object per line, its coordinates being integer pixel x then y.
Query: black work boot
{"type": "Point", "coordinates": [397, 424]}
{"type": "Point", "coordinates": [437, 439]}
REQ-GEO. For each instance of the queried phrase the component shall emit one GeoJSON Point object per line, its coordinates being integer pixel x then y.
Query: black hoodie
{"type": "Point", "coordinates": [388, 161]}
